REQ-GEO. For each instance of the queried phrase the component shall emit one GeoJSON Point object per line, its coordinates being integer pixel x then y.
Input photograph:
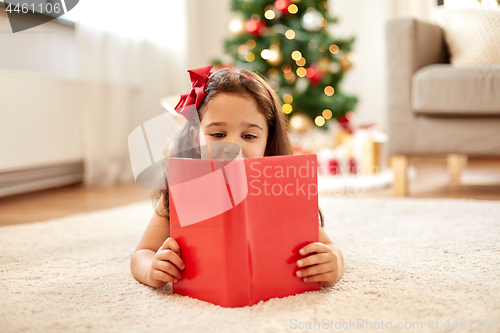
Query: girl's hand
{"type": "Point", "coordinates": [167, 263]}
{"type": "Point", "coordinates": [324, 264]}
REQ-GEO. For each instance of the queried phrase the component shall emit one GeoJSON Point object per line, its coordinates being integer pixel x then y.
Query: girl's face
{"type": "Point", "coordinates": [236, 119]}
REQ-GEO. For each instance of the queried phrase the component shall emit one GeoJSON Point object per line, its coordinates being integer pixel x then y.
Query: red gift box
{"type": "Point", "coordinates": [240, 225]}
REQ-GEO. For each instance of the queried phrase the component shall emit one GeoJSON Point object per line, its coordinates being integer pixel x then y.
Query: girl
{"type": "Point", "coordinates": [237, 106]}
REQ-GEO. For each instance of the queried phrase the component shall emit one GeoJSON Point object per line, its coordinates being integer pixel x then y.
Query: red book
{"type": "Point", "coordinates": [240, 225]}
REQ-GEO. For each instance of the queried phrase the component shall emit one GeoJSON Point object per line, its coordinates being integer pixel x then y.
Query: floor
{"type": "Point", "coordinates": [480, 180]}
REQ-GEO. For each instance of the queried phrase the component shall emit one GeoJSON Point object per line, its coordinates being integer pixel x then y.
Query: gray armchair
{"type": "Point", "coordinates": [436, 108]}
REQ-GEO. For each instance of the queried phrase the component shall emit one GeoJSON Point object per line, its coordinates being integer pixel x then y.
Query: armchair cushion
{"type": "Point", "coordinates": [446, 89]}
{"type": "Point", "coordinates": [472, 35]}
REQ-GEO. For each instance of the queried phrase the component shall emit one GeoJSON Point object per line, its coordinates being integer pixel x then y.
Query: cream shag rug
{"type": "Point", "coordinates": [408, 261]}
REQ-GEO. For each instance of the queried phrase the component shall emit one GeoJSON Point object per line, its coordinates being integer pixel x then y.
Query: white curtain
{"type": "Point", "coordinates": [415, 8]}
{"type": "Point", "coordinates": [131, 54]}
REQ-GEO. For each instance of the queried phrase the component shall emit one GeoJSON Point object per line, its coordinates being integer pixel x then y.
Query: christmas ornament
{"type": "Point", "coordinates": [255, 27]}
{"type": "Point", "coordinates": [314, 74]}
{"type": "Point", "coordinates": [311, 20]}
{"type": "Point", "coordinates": [346, 121]}
{"type": "Point", "coordinates": [237, 25]}
{"type": "Point", "coordinates": [300, 123]}
{"type": "Point", "coordinates": [282, 6]}
{"type": "Point", "coordinates": [346, 61]}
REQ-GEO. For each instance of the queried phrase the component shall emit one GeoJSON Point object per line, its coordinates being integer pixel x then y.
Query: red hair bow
{"type": "Point", "coordinates": [199, 81]}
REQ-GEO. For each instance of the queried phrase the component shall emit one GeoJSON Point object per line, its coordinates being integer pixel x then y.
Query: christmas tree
{"type": "Point", "coordinates": [288, 43]}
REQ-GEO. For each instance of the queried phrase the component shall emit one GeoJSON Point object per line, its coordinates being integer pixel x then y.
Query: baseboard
{"type": "Point", "coordinates": [35, 179]}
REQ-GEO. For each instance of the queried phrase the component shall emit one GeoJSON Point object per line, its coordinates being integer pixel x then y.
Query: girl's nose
{"type": "Point", "coordinates": [231, 139]}
{"type": "Point", "coordinates": [231, 148]}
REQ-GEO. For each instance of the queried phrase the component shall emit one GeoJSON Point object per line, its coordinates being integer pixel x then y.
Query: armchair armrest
{"type": "Point", "coordinates": [411, 45]}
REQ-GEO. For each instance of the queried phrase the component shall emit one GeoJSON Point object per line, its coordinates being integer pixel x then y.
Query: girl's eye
{"type": "Point", "coordinates": [245, 136]}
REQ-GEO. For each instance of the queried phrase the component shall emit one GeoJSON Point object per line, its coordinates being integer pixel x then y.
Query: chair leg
{"type": "Point", "coordinates": [399, 165]}
{"type": "Point", "coordinates": [456, 163]}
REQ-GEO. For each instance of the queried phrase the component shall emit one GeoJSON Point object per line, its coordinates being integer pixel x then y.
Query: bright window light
{"type": "Point", "coordinates": [469, 3]}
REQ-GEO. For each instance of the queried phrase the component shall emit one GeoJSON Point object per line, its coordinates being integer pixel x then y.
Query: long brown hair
{"type": "Point", "coordinates": [242, 82]}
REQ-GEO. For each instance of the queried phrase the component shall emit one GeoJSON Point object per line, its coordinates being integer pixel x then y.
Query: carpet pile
{"type": "Point", "coordinates": [420, 262]}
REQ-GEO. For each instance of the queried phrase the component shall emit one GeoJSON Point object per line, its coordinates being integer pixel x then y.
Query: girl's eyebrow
{"type": "Point", "coordinates": [221, 123]}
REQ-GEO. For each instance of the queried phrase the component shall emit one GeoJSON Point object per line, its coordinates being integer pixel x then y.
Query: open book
{"type": "Point", "coordinates": [240, 225]}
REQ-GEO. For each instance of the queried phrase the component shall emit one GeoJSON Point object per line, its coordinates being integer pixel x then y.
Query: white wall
{"type": "Point", "coordinates": [49, 49]}
{"type": "Point", "coordinates": [40, 120]}
{"type": "Point", "coordinates": [366, 20]}
{"type": "Point", "coordinates": [208, 30]}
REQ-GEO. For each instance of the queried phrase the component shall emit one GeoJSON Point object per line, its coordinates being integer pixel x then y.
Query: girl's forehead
{"type": "Point", "coordinates": [223, 99]}
{"type": "Point", "coordinates": [232, 107]}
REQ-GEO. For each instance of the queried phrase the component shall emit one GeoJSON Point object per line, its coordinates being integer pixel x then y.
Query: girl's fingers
{"type": "Point", "coordinates": [313, 259]}
{"type": "Point", "coordinates": [171, 244]}
{"type": "Point", "coordinates": [167, 267]}
{"type": "Point", "coordinates": [313, 247]}
{"type": "Point", "coordinates": [170, 256]}
{"type": "Point", "coordinates": [320, 277]}
{"type": "Point", "coordinates": [162, 276]}
{"type": "Point", "coordinates": [315, 270]}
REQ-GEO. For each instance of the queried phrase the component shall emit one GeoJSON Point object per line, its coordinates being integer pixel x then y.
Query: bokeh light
{"type": "Point", "coordinates": [329, 91]}
{"type": "Point", "coordinates": [243, 49]}
{"type": "Point", "coordinates": [301, 72]}
{"type": "Point", "coordinates": [251, 43]}
{"type": "Point", "coordinates": [290, 34]}
{"type": "Point", "coordinates": [319, 121]}
{"type": "Point", "coordinates": [301, 61]}
{"type": "Point", "coordinates": [293, 9]}
{"type": "Point", "coordinates": [296, 55]}
{"type": "Point", "coordinates": [272, 72]}
{"type": "Point", "coordinates": [269, 14]}
{"type": "Point", "coordinates": [287, 108]}
{"type": "Point", "coordinates": [266, 54]}
{"type": "Point", "coordinates": [327, 114]}
{"type": "Point", "coordinates": [250, 57]}
{"type": "Point", "coordinates": [334, 49]}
